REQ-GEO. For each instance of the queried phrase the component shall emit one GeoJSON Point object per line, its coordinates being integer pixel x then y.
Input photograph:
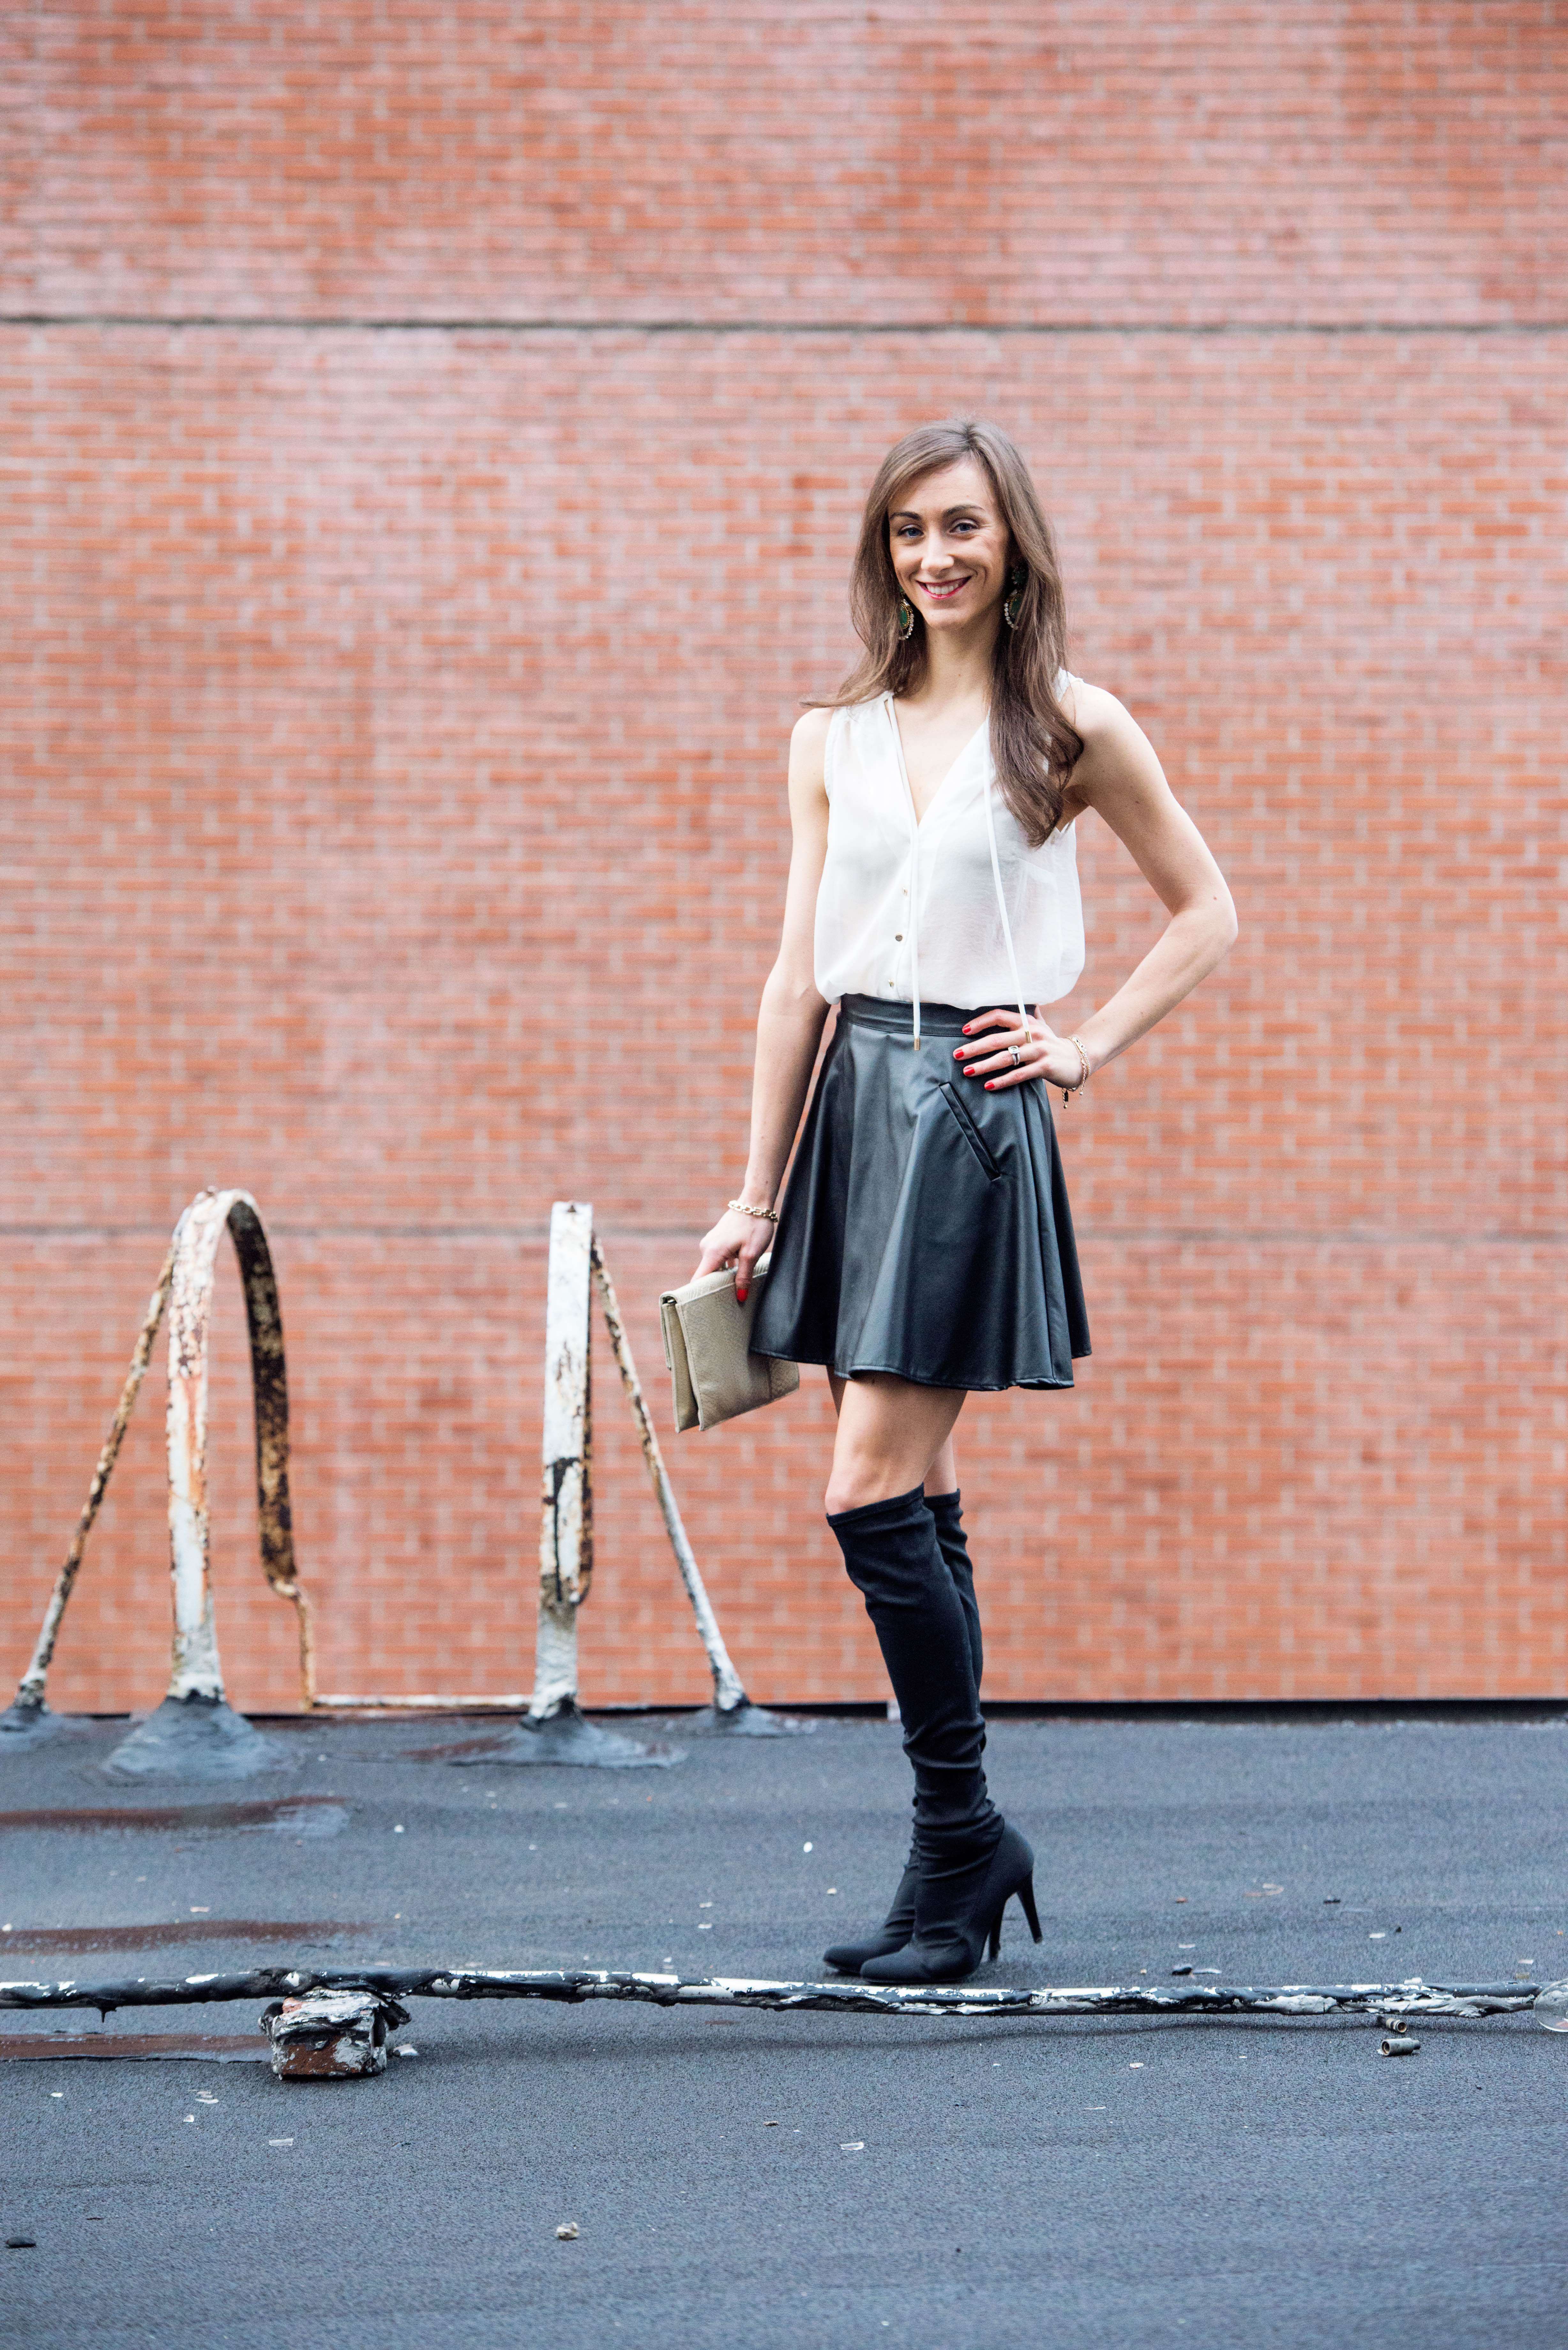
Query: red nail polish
{"type": "Point", "coordinates": [741, 1296]}
{"type": "Point", "coordinates": [990, 1085]}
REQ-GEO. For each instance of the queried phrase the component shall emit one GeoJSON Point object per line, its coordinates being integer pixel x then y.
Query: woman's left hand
{"type": "Point", "coordinates": [1011, 1055]}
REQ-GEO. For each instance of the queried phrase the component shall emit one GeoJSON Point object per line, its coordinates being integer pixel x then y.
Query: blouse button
{"type": "Point", "coordinates": [899, 938]}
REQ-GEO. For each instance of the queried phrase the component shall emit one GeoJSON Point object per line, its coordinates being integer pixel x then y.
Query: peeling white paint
{"type": "Point", "coordinates": [565, 1519]}
{"type": "Point", "coordinates": [184, 1291]}
{"type": "Point", "coordinates": [389, 1985]}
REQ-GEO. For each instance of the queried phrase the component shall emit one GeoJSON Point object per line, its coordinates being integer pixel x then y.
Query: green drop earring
{"type": "Point", "coordinates": [906, 619]}
{"type": "Point", "coordinates": [1014, 603]}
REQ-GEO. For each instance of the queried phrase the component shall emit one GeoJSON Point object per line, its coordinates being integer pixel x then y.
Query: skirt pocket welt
{"type": "Point", "coordinates": [969, 1131]}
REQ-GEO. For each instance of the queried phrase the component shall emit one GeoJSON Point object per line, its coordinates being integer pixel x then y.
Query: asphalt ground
{"type": "Point", "coordinates": [804, 2179]}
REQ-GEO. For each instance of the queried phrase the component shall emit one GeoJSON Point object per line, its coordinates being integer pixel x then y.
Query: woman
{"type": "Point", "coordinates": [924, 1247]}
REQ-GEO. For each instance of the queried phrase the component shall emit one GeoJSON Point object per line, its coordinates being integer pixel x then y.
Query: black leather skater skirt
{"type": "Point", "coordinates": [925, 1230]}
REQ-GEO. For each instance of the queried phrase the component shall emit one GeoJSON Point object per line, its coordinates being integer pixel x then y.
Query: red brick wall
{"type": "Point", "coordinates": [393, 823]}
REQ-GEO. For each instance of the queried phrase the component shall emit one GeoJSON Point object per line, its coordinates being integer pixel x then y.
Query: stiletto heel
{"type": "Point", "coordinates": [1026, 1895]}
{"type": "Point", "coordinates": [995, 1949]}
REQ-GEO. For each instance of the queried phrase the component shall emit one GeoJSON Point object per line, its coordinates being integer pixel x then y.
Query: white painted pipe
{"type": "Point", "coordinates": [566, 1520]}
{"type": "Point", "coordinates": [195, 1670]}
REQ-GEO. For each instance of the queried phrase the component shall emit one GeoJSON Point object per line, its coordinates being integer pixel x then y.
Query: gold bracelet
{"type": "Point", "coordinates": [742, 1207]}
{"type": "Point", "coordinates": [1068, 1091]}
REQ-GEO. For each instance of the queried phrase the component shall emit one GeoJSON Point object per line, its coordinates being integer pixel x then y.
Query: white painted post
{"type": "Point", "coordinates": [195, 1670]}
{"type": "Point", "coordinates": [565, 1523]}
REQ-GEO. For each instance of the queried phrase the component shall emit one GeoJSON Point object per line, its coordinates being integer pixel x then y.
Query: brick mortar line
{"type": "Point", "coordinates": [205, 322]}
{"type": "Point", "coordinates": [1212, 1235]}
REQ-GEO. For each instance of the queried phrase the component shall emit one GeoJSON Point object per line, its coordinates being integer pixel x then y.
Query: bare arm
{"type": "Point", "coordinates": [790, 1021]}
{"type": "Point", "coordinates": [1120, 778]}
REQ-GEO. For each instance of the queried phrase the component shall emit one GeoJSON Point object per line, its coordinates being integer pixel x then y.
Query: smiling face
{"type": "Point", "coordinates": [951, 546]}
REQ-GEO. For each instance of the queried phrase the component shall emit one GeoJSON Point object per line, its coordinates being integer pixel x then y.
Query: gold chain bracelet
{"type": "Point", "coordinates": [743, 1208]}
{"type": "Point", "coordinates": [1068, 1091]}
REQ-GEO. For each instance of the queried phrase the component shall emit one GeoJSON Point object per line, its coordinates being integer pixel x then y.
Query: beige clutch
{"type": "Point", "coordinates": [706, 1334]}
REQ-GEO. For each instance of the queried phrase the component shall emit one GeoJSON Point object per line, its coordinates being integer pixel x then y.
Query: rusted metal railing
{"type": "Point", "coordinates": [30, 1704]}
{"type": "Point", "coordinates": [555, 1729]}
{"type": "Point", "coordinates": [184, 1291]}
{"type": "Point", "coordinates": [1377, 2002]}
{"type": "Point", "coordinates": [195, 1670]}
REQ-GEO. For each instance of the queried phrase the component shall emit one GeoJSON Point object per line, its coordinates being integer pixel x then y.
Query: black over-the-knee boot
{"type": "Point", "coordinates": [971, 1862]}
{"type": "Point", "coordinates": [946, 1512]}
{"type": "Point", "coordinates": [947, 1516]}
{"type": "Point", "coordinates": [893, 1558]}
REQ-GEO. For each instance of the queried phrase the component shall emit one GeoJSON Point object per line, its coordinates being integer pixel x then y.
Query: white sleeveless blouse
{"type": "Point", "coordinates": [957, 909]}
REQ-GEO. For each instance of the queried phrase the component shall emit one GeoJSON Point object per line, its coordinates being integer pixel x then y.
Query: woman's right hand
{"type": "Point", "coordinates": [739, 1240]}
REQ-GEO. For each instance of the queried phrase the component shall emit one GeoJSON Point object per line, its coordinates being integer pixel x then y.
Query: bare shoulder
{"type": "Point", "coordinates": [808, 737]}
{"type": "Point", "coordinates": [1099, 717]}
{"type": "Point", "coordinates": [1117, 755]}
{"type": "Point", "coordinates": [808, 758]}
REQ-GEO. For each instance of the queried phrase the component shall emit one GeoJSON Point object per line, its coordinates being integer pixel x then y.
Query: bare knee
{"type": "Point", "coordinates": [854, 1484]}
{"type": "Point", "coordinates": [891, 1433]}
{"type": "Point", "coordinates": [866, 1472]}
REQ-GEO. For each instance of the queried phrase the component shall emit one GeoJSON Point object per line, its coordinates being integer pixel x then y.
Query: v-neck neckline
{"type": "Point", "coordinates": [956, 762]}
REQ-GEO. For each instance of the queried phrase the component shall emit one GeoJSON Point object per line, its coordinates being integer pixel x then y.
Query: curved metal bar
{"type": "Point", "coordinates": [195, 1670]}
{"type": "Point", "coordinates": [30, 1688]}
{"type": "Point", "coordinates": [269, 1381]}
{"type": "Point", "coordinates": [185, 1286]}
{"type": "Point", "coordinates": [571, 1987]}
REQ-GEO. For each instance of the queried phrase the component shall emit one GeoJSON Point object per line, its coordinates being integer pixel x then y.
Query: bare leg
{"type": "Point", "coordinates": [942, 1475]}
{"type": "Point", "coordinates": [892, 1435]}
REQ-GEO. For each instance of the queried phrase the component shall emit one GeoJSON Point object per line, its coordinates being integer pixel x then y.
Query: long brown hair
{"type": "Point", "coordinates": [1033, 744]}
